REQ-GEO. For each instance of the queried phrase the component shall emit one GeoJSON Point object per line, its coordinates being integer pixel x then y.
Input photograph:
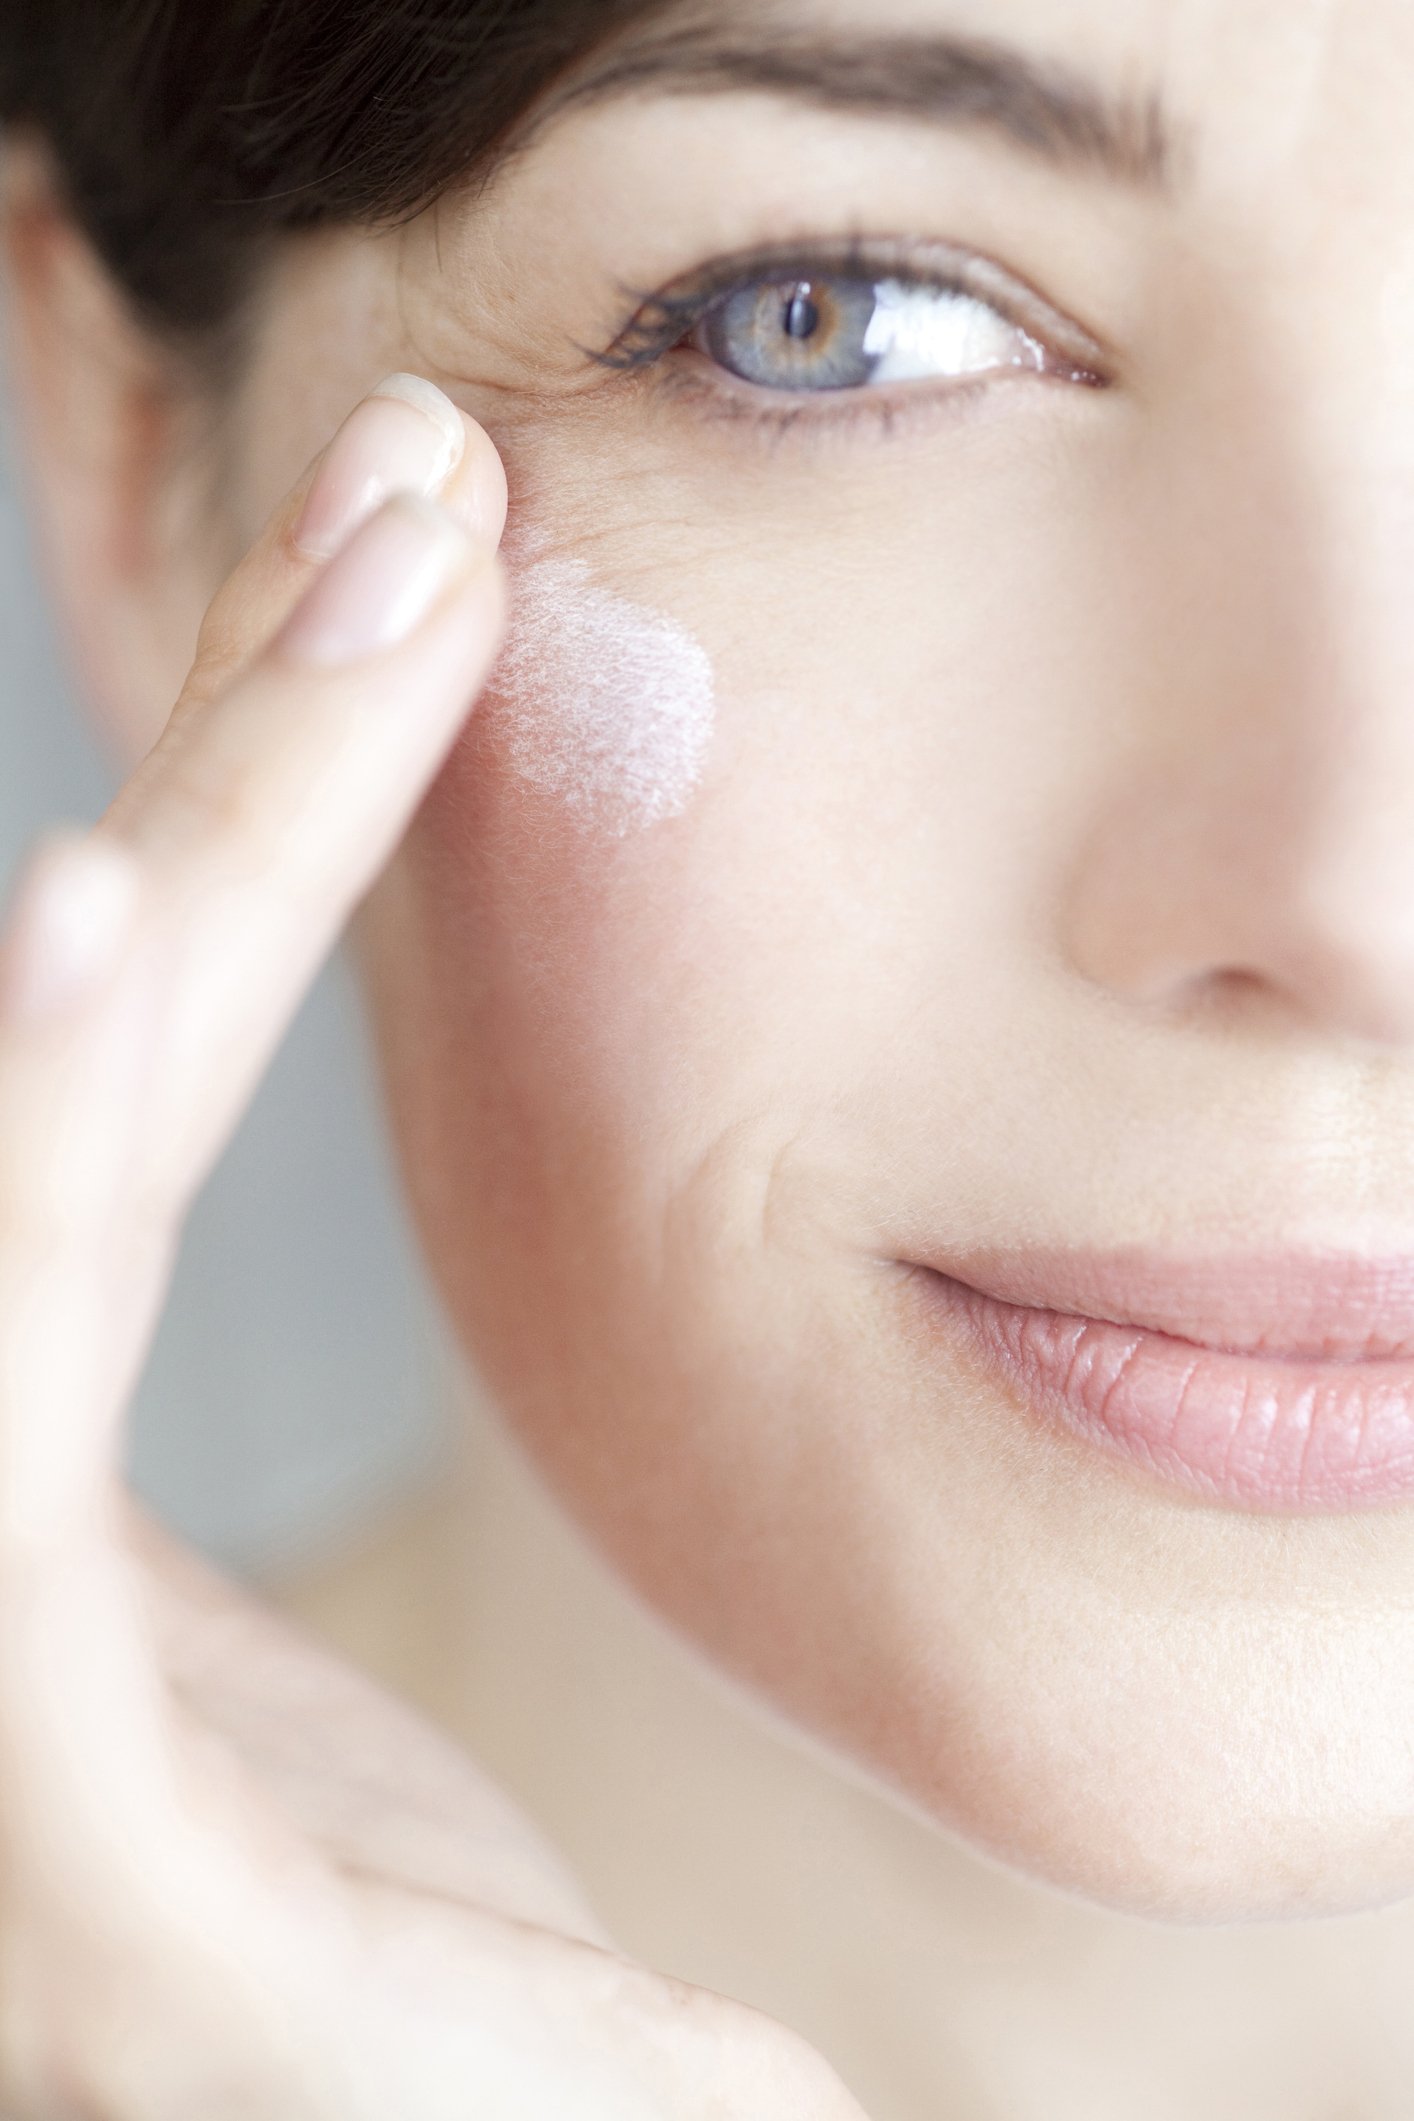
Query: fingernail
{"type": "Point", "coordinates": [406, 436]}
{"type": "Point", "coordinates": [375, 592]}
{"type": "Point", "coordinates": [73, 912]}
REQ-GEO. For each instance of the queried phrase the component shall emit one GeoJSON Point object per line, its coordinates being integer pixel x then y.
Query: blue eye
{"type": "Point", "coordinates": [838, 333]}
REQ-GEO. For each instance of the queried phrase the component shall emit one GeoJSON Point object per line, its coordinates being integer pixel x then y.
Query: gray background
{"type": "Point", "coordinates": [299, 1382]}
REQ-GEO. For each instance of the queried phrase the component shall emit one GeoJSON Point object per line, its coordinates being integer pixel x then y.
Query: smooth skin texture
{"type": "Point", "coordinates": [1050, 882]}
{"type": "Point", "coordinates": [191, 1926]}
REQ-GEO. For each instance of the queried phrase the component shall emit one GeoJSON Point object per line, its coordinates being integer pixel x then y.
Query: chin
{"type": "Point", "coordinates": [1174, 1806]}
{"type": "Point", "coordinates": [1199, 1777]}
{"type": "Point", "coordinates": [1181, 1859]}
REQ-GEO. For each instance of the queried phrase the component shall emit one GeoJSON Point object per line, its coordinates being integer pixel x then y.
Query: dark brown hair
{"type": "Point", "coordinates": [192, 134]}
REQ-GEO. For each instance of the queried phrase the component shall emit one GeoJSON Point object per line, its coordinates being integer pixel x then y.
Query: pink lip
{"type": "Point", "coordinates": [1272, 1382]}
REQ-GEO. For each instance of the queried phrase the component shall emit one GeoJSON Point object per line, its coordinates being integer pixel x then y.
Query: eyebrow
{"type": "Point", "coordinates": [1037, 104]}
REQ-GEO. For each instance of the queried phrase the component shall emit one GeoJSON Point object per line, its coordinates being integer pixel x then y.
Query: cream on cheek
{"type": "Point", "coordinates": [604, 704]}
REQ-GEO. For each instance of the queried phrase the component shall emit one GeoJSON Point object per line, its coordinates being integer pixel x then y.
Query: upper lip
{"type": "Point", "coordinates": [1297, 1306]}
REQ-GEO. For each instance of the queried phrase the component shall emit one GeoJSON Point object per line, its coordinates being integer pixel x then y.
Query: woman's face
{"type": "Point", "coordinates": [948, 807]}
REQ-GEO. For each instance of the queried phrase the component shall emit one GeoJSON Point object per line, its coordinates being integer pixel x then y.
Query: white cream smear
{"type": "Point", "coordinates": [607, 706]}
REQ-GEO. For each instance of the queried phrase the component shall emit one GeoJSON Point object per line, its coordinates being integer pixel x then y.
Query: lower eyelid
{"type": "Point", "coordinates": [690, 379]}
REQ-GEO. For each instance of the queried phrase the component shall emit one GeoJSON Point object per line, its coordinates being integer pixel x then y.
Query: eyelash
{"type": "Point", "coordinates": [663, 319]}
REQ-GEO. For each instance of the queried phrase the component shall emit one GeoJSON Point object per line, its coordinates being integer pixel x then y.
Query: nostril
{"type": "Point", "coordinates": [1330, 1003]}
{"type": "Point", "coordinates": [1232, 997]}
{"type": "Point", "coordinates": [1335, 999]}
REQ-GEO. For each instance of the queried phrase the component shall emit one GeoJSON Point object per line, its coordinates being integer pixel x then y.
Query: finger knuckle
{"type": "Point", "coordinates": [211, 799]}
{"type": "Point", "coordinates": [221, 648]}
{"type": "Point", "coordinates": [763, 2067]}
{"type": "Point", "coordinates": [797, 2083]}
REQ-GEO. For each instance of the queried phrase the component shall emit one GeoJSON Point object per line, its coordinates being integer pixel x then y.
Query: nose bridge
{"type": "Point", "coordinates": [1337, 587]}
{"type": "Point", "coordinates": [1340, 316]}
{"type": "Point", "coordinates": [1347, 872]}
{"type": "Point", "coordinates": [1262, 837]}
{"type": "Point", "coordinates": [1325, 403]}
{"type": "Point", "coordinates": [1256, 839]}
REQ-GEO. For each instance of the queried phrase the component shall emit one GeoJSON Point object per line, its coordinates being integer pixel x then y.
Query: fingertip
{"type": "Point", "coordinates": [475, 491]}
{"type": "Point", "coordinates": [383, 584]}
{"type": "Point", "coordinates": [434, 405]}
{"type": "Point", "coordinates": [405, 436]}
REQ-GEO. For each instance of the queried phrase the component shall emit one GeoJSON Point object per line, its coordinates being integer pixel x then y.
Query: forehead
{"type": "Point", "coordinates": [1255, 83]}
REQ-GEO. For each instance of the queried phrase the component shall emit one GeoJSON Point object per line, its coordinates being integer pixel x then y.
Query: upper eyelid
{"type": "Point", "coordinates": [684, 300]}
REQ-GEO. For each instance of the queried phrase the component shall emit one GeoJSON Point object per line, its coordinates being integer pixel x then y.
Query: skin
{"type": "Point", "coordinates": [1048, 883]}
{"type": "Point", "coordinates": [236, 1879]}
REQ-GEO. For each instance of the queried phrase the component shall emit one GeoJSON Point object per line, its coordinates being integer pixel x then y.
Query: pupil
{"type": "Point", "coordinates": [802, 318]}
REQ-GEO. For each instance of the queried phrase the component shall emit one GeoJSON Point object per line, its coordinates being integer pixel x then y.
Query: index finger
{"type": "Point", "coordinates": [263, 814]}
{"type": "Point", "coordinates": [405, 435]}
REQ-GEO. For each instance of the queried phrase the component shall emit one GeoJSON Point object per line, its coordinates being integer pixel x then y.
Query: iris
{"type": "Point", "coordinates": [836, 333]}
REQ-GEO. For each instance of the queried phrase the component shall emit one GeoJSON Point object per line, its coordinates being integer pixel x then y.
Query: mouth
{"type": "Point", "coordinates": [1275, 1382]}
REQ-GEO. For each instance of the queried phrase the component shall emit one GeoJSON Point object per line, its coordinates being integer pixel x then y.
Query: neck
{"type": "Point", "coordinates": [716, 1848]}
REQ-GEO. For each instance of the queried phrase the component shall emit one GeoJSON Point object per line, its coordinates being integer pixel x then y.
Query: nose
{"type": "Point", "coordinates": [1254, 852]}
{"type": "Point", "coordinates": [1196, 896]}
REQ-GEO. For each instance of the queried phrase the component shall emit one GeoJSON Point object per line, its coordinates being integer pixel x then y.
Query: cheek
{"type": "Point", "coordinates": [615, 1000]}
{"type": "Point", "coordinates": [605, 707]}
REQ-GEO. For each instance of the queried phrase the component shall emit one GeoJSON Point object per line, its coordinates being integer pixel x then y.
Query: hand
{"type": "Point", "coordinates": [235, 1880]}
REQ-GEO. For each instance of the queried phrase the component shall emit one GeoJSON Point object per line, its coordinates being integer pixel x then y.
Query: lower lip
{"type": "Point", "coordinates": [1247, 1432]}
